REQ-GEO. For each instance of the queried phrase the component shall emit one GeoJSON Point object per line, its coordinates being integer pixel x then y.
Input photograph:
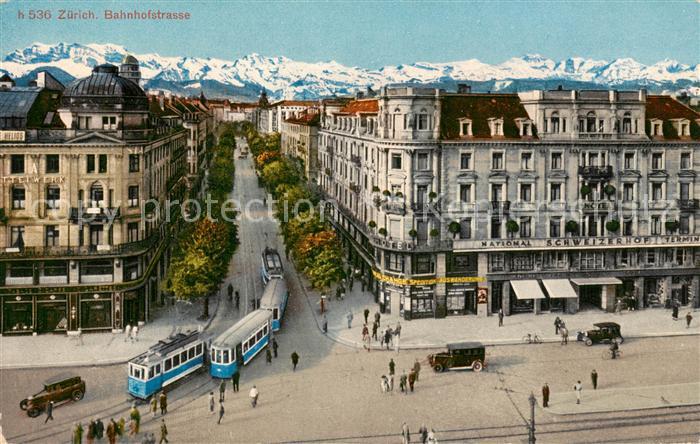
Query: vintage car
{"type": "Point", "coordinates": [57, 389]}
{"type": "Point", "coordinates": [603, 332]}
{"type": "Point", "coordinates": [462, 355]}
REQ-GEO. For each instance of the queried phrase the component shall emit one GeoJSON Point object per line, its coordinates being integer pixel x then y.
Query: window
{"type": "Point", "coordinates": [394, 262]}
{"type": "Point", "coordinates": [465, 193]}
{"type": "Point", "coordinates": [134, 196]}
{"type": "Point", "coordinates": [103, 163]}
{"type": "Point", "coordinates": [556, 161]}
{"type": "Point", "coordinates": [629, 161]}
{"type": "Point", "coordinates": [168, 364]}
{"type": "Point", "coordinates": [465, 128]}
{"type": "Point", "coordinates": [17, 164]}
{"type": "Point", "coordinates": [627, 227]}
{"type": "Point", "coordinates": [396, 161]}
{"type": "Point", "coordinates": [497, 161]}
{"type": "Point", "coordinates": [657, 191]}
{"type": "Point", "coordinates": [51, 235]}
{"type": "Point", "coordinates": [590, 122]}
{"type": "Point", "coordinates": [526, 192]}
{"type": "Point", "coordinates": [627, 123]}
{"type": "Point", "coordinates": [495, 228]}
{"type": "Point", "coordinates": [465, 161]}
{"type": "Point", "coordinates": [52, 163]}
{"type": "Point", "coordinates": [628, 192]}
{"type": "Point", "coordinates": [526, 161]}
{"type": "Point", "coordinates": [53, 197]}
{"type": "Point", "coordinates": [90, 163]}
{"type": "Point", "coordinates": [684, 224]}
{"type": "Point", "coordinates": [176, 360]}
{"type": "Point", "coordinates": [496, 192]}
{"type": "Point", "coordinates": [655, 225]}
{"type": "Point", "coordinates": [657, 161]}
{"type": "Point", "coordinates": [17, 236]}
{"type": "Point", "coordinates": [525, 227]}
{"type": "Point", "coordinates": [684, 191]}
{"type": "Point", "coordinates": [109, 122]}
{"type": "Point", "coordinates": [591, 260]}
{"type": "Point", "coordinates": [555, 227]}
{"type": "Point", "coordinates": [462, 262]}
{"type": "Point", "coordinates": [685, 161]}
{"type": "Point", "coordinates": [132, 231]}
{"type": "Point", "coordinates": [97, 195]}
{"type": "Point", "coordinates": [84, 122]}
{"type": "Point", "coordinates": [18, 198]}
{"type": "Point", "coordinates": [424, 264]}
{"type": "Point", "coordinates": [422, 121]}
{"type": "Point", "coordinates": [555, 122]}
{"type": "Point", "coordinates": [497, 262]}
{"type": "Point", "coordinates": [555, 192]}
{"type": "Point", "coordinates": [134, 161]}
{"type": "Point", "coordinates": [465, 228]}
{"type": "Point", "coordinates": [422, 161]}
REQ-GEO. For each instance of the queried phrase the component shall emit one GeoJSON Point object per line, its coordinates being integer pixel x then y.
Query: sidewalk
{"type": "Point", "coordinates": [100, 348]}
{"type": "Point", "coordinates": [435, 333]}
{"type": "Point", "coordinates": [631, 398]}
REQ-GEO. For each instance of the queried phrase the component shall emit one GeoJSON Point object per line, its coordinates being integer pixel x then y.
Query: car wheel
{"type": "Point", "coordinates": [34, 412]}
{"type": "Point", "coordinates": [77, 395]}
{"type": "Point", "coordinates": [23, 404]}
{"type": "Point", "coordinates": [477, 366]}
{"type": "Point", "coordinates": [589, 342]}
{"type": "Point", "coordinates": [620, 339]}
{"type": "Point", "coordinates": [439, 368]}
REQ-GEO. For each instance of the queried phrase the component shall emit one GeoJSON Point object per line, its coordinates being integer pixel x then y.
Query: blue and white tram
{"type": "Point", "coordinates": [274, 299]}
{"type": "Point", "coordinates": [165, 363]}
{"type": "Point", "coordinates": [239, 344]}
{"type": "Point", "coordinates": [271, 265]}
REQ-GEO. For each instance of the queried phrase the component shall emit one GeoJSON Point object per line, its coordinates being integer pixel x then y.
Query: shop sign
{"type": "Point", "coordinates": [577, 243]}
{"type": "Point", "coordinates": [34, 178]}
{"type": "Point", "coordinates": [422, 291]}
{"type": "Point", "coordinates": [482, 295]}
{"type": "Point", "coordinates": [12, 136]}
{"type": "Point", "coordinates": [432, 281]}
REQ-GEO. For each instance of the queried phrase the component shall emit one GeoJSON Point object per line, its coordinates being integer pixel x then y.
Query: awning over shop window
{"type": "Point", "coordinates": [527, 290]}
{"type": "Point", "coordinates": [597, 281]}
{"type": "Point", "coordinates": [559, 288]}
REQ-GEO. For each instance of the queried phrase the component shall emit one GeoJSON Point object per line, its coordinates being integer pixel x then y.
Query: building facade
{"type": "Point", "coordinates": [84, 238]}
{"type": "Point", "coordinates": [461, 203]}
{"type": "Point", "coordinates": [299, 139]}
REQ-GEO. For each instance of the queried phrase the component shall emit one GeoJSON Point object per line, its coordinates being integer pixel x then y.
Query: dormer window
{"type": "Point", "coordinates": [656, 128]}
{"type": "Point", "coordinates": [682, 127]}
{"type": "Point", "coordinates": [525, 126]}
{"type": "Point", "coordinates": [465, 128]}
{"type": "Point", "coordinates": [496, 126]}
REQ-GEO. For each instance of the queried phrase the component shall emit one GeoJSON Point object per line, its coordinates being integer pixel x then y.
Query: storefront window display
{"type": "Point", "coordinates": [96, 311]}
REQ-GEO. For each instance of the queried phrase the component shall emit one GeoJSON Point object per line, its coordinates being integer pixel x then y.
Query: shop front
{"type": "Point", "coordinates": [523, 296]}
{"type": "Point", "coordinates": [18, 314]}
{"type": "Point", "coordinates": [420, 303]}
{"type": "Point", "coordinates": [561, 296]}
{"type": "Point", "coordinates": [51, 313]}
{"type": "Point", "coordinates": [96, 311]}
{"type": "Point", "coordinates": [391, 299]}
{"type": "Point", "coordinates": [461, 299]}
{"type": "Point", "coordinates": [597, 292]}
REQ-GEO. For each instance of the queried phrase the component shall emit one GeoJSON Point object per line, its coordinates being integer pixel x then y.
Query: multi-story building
{"type": "Point", "coordinates": [86, 171]}
{"type": "Point", "coordinates": [299, 139]}
{"type": "Point", "coordinates": [459, 203]}
{"type": "Point", "coordinates": [268, 117]}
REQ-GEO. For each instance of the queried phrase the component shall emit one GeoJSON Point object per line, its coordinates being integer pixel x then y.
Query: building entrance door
{"type": "Point", "coordinates": [50, 316]}
{"type": "Point", "coordinates": [470, 301]}
{"type": "Point", "coordinates": [590, 296]}
{"type": "Point", "coordinates": [131, 312]}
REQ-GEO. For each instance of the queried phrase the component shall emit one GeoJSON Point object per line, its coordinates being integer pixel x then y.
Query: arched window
{"type": "Point", "coordinates": [627, 123]}
{"type": "Point", "coordinates": [590, 122]}
{"type": "Point", "coordinates": [554, 118]}
{"type": "Point", "coordinates": [97, 195]}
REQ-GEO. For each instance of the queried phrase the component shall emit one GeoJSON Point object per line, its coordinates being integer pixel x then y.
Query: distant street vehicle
{"type": "Point", "coordinates": [271, 265]}
{"type": "Point", "coordinates": [604, 332]}
{"type": "Point", "coordinates": [463, 355]}
{"type": "Point", "coordinates": [57, 389]}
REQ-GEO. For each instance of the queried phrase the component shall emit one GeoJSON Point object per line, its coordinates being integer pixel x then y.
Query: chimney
{"type": "Point", "coordinates": [560, 88]}
{"type": "Point", "coordinates": [463, 88]}
{"type": "Point", "coordinates": [359, 95]}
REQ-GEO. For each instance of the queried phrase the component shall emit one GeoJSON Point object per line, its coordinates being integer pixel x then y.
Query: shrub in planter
{"type": "Point", "coordinates": [512, 226]}
{"type": "Point", "coordinates": [434, 232]}
{"type": "Point", "coordinates": [585, 190]}
{"type": "Point", "coordinates": [382, 231]}
{"type": "Point", "coordinates": [454, 228]}
{"type": "Point", "coordinates": [399, 194]}
{"type": "Point", "coordinates": [609, 190]}
{"type": "Point", "coordinates": [372, 224]}
{"type": "Point", "coordinates": [413, 233]}
{"type": "Point", "coordinates": [375, 189]}
{"type": "Point", "coordinates": [671, 225]}
{"type": "Point", "coordinates": [377, 201]}
{"type": "Point", "coordinates": [386, 193]}
{"type": "Point", "coordinates": [432, 195]}
{"type": "Point", "coordinates": [571, 227]}
{"type": "Point", "coordinates": [613, 226]}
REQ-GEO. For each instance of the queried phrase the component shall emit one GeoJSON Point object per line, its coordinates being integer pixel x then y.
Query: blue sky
{"type": "Point", "coordinates": [373, 34]}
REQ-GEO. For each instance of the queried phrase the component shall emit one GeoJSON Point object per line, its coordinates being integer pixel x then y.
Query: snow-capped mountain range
{"type": "Point", "coordinates": [244, 77]}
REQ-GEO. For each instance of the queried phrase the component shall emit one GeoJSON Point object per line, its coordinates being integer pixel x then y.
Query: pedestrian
{"type": "Point", "coordinates": [349, 318]}
{"type": "Point", "coordinates": [132, 427]}
{"type": "Point", "coordinates": [127, 332]}
{"type": "Point", "coordinates": [112, 431]}
{"type": "Point", "coordinates": [423, 432]}
{"type": "Point", "coordinates": [230, 292]}
{"type": "Point", "coordinates": [396, 343]}
{"type": "Point", "coordinates": [688, 318]}
{"type": "Point", "coordinates": [564, 335]}
{"type": "Point", "coordinates": [377, 317]}
{"type": "Point", "coordinates": [91, 432]}
{"type": "Point", "coordinates": [392, 366]}
{"type": "Point", "coordinates": [323, 302]}
{"type": "Point", "coordinates": [134, 333]}
{"type": "Point", "coordinates": [411, 379]}
{"type": "Point", "coordinates": [397, 330]}
{"type": "Point", "coordinates": [557, 323]}
{"type": "Point", "coordinates": [222, 391]}
{"type": "Point", "coordinates": [135, 414]}
{"type": "Point", "coordinates": [382, 337]}
{"type": "Point", "coordinates": [254, 396]}
{"type": "Point", "coordinates": [120, 426]}
{"type": "Point", "coordinates": [416, 368]}
{"type": "Point", "coordinates": [405, 433]}
{"type": "Point", "coordinates": [375, 326]}
{"type": "Point", "coordinates": [77, 433]}
{"type": "Point", "coordinates": [49, 412]}
{"type": "Point", "coordinates": [237, 300]}
{"type": "Point", "coordinates": [365, 333]}
{"type": "Point", "coordinates": [99, 429]}
{"type": "Point", "coordinates": [388, 335]}
{"type": "Point", "coordinates": [384, 384]}
{"type": "Point", "coordinates": [391, 383]}
{"type": "Point", "coordinates": [500, 317]}
{"type": "Point", "coordinates": [274, 347]}
{"type": "Point", "coordinates": [366, 313]}
{"type": "Point", "coordinates": [212, 404]}
{"type": "Point", "coordinates": [268, 356]}
{"type": "Point", "coordinates": [154, 406]}
{"type": "Point", "coordinates": [163, 399]}
{"type": "Point", "coordinates": [221, 412]}
{"type": "Point", "coordinates": [545, 395]}
{"type": "Point", "coordinates": [295, 360]}
{"type": "Point", "coordinates": [674, 309]}
{"type": "Point", "coordinates": [594, 379]}
{"type": "Point", "coordinates": [324, 324]}
{"type": "Point", "coordinates": [577, 388]}
{"type": "Point", "coordinates": [235, 379]}
{"type": "Point", "coordinates": [163, 432]}
{"type": "Point", "coordinates": [402, 382]}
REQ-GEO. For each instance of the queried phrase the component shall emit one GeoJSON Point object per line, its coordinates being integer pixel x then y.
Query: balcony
{"type": "Point", "coordinates": [598, 206]}
{"type": "Point", "coordinates": [595, 172]}
{"type": "Point", "coordinates": [398, 208]}
{"type": "Point", "coordinates": [93, 214]}
{"type": "Point", "coordinates": [500, 206]}
{"type": "Point", "coordinates": [688, 204]}
{"type": "Point", "coordinates": [425, 207]}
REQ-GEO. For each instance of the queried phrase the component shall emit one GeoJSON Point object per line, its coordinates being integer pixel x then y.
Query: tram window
{"type": "Point", "coordinates": [158, 369]}
{"type": "Point", "coordinates": [258, 335]}
{"type": "Point", "coordinates": [275, 313]}
{"type": "Point", "coordinates": [226, 360]}
{"type": "Point", "coordinates": [190, 353]}
{"type": "Point", "coordinates": [265, 329]}
{"type": "Point", "coordinates": [199, 349]}
{"type": "Point", "coordinates": [168, 364]}
{"type": "Point", "coordinates": [176, 360]}
{"type": "Point", "coordinates": [251, 343]}
{"type": "Point", "coordinates": [213, 355]}
{"type": "Point", "coordinates": [183, 357]}
{"type": "Point", "coordinates": [245, 347]}
{"type": "Point", "coordinates": [218, 356]}
{"type": "Point", "coordinates": [151, 372]}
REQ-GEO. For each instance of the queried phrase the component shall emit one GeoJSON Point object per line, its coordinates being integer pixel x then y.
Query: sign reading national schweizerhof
{"type": "Point", "coordinates": [578, 243]}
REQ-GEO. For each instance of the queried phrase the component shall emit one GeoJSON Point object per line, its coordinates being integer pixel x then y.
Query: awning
{"type": "Point", "coordinates": [597, 281]}
{"type": "Point", "coordinates": [559, 288]}
{"type": "Point", "coordinates": [527, 290]}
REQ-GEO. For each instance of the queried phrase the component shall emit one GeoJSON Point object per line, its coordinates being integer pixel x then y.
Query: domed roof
{"type": "Point", "coordinates": [104, 81]}
{"type": "Point", "coordinates": [130, 60]}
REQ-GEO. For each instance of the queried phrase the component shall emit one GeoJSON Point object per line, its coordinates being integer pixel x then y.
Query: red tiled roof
{"type": "Point", "coordinates": [368, 106]}
{"type": "Point", "coordinates": [479, 108]}
{"type": "Point", "coordinates": [310, 119]}
{"type": "Point", "coordinates": [666, 108]}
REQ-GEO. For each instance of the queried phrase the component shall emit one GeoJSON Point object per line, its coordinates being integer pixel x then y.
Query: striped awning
{"type": "Point", "coordinates": [559, 288]}
{"type": "Point", "coordinates": [527, 290]}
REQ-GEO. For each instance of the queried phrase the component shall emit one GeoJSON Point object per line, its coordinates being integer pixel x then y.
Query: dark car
{"type": "Point", "coordinates": [58, 389]}
{"type": "Point", "coordinates": [463, 355]}
{"type": "Point", "coordinates": [604, 332]}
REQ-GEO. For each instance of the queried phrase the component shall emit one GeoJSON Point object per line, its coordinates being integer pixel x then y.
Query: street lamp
{"type": "Point", "coordinates": [531, 429]}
